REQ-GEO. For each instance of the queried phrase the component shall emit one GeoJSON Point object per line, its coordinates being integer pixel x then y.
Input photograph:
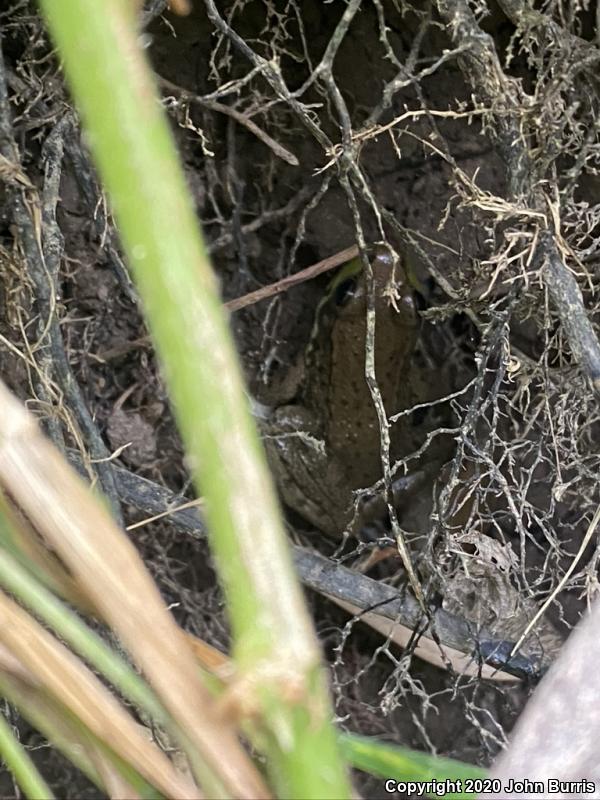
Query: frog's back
{"type": "Point", "coordinates": [354, 429]}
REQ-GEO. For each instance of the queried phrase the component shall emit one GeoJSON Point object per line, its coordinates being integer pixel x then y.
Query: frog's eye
{"type": "Point", "coordinates": [345, 291]}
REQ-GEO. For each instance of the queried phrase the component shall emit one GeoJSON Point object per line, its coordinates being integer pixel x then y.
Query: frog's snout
{"type": "Point", "coordinates": [406, 306]}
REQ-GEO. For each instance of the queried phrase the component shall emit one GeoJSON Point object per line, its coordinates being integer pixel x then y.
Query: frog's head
{"type": "Point", "coordinates": [347, 292]}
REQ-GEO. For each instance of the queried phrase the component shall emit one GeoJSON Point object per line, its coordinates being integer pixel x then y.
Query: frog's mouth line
{"type": "Point", "coordinates": [396, 618]}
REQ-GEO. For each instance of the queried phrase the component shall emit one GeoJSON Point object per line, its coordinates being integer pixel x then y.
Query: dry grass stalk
{"type": "Point", "coordinates": [104, 561]}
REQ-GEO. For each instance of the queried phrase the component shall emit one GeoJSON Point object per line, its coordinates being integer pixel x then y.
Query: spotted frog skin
{"type": "Point", "coordinates": [326, 446]}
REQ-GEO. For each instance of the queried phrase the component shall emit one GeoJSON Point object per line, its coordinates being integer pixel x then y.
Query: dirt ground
{"type": "Point", "coordinates": [395, 137]}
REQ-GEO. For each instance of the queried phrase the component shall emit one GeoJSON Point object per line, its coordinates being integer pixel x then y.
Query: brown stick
{"type": "Point", "coordinates": [331, 262]}
{"type": "Point", "coordinates": [242, 119]}
{"type": "Point", "coordinates": [293, 280]}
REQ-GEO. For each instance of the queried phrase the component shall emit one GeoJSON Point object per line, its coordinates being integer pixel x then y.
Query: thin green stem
{"type": "Point", "coordinates": [275, 649]}
{"type": "Point", "coordinates": [20, 764]}
{"type": "Point", "coordinates": [18, 581]}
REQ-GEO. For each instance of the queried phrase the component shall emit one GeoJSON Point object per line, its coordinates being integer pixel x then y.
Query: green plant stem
{"type": "Point", "coordinates": [404, 765]}
{"type": "Point", "coordinates": [37, 598]}
{"type": "Point", "coordinates": [18, 581]}
{"type": "Point", "coordinates": [21, 765]}
{"type": "Point", "coordinates": [70, 736]}
{"type": "Point", "coordinates": [275, 649]}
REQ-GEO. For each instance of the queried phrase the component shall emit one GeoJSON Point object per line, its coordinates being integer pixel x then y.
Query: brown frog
{"type": "Point", "coordinates": [327, 445]}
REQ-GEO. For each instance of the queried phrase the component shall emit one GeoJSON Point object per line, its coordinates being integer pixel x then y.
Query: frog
{"type": "Point", "coordinates": [324, 448]}
{"type": "Point", "coordinates": [323, 444]}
